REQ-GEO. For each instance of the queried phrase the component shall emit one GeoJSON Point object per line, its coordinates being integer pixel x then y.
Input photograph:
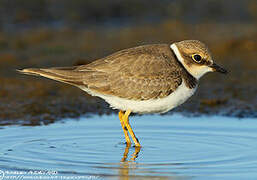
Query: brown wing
{"type": "Point", "coordinates": [144, 72]}
{"type": "Point", "coordinates": [67, 74]}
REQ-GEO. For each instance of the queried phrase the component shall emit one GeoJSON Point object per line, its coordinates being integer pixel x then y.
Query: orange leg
{"type": "Point", "coordinates": [121, 114]}
{"type": "Point", "coordinates": [132, 134]}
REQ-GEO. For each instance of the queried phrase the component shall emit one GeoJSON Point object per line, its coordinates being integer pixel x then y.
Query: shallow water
{"type": "Point", "coordinates": [174, 147]}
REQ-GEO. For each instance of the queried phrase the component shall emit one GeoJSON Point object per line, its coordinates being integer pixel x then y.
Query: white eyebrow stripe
{"type": "Point", "coordinates": [176, 51]}
{"type": "Point", "coordinates": [195, 72]}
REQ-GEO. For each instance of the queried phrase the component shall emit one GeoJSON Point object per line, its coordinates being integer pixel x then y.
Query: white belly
{"type": "Point", "coordinates": [160, 105]}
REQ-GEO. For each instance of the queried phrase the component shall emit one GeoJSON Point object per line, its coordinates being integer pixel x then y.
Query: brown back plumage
{"type": "Point", "coordinates": [149, 72]}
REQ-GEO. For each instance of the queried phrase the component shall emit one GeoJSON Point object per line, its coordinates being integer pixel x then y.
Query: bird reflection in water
{"type": "Point", "coordinates": [133, 156]}
{"type": "Point", "coordinates": [126, 164]}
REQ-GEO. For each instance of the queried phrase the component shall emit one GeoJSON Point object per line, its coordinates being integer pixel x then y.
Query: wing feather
{"type": "Point", "coordinates": [140, 73]}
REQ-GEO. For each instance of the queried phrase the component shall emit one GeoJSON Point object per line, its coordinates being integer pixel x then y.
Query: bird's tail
{"type": "Point", "coordinates": [67, 75]}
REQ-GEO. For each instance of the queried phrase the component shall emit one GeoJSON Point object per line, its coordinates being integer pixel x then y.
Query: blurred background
{"type": "Point", "coordinates": [45, 33]}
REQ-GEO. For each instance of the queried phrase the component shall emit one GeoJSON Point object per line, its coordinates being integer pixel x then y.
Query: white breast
{"type": "Point", "coordinates": [160, 105]}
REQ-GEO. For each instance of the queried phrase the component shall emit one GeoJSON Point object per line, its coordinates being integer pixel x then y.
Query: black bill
{"type": "Point", "coordinates": [217, 68]}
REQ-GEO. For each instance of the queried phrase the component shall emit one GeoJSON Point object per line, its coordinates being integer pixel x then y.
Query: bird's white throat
{"type": "Point", "coordinates": [195, 71]}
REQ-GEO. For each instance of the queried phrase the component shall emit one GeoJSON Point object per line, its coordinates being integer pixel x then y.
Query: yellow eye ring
{"type": "Point", "coordinates": [196, 58]}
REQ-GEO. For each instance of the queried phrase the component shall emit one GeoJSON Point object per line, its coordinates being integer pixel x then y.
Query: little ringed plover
{"type": "Point", "coordinates": [145, 79]}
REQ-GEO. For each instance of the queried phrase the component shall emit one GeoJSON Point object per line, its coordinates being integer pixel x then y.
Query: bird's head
{"type": "Point", "coordinates": [195, 57]}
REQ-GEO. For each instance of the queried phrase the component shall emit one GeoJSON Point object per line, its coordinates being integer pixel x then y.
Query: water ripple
{"type": "Point", "coordinates": [173, 146]}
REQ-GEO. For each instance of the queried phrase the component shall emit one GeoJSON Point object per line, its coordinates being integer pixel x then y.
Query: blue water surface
{"type": "Point", "coordinates": [92, 147]}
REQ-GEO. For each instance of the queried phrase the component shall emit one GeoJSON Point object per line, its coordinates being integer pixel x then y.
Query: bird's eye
{"type": "Point", "coordinates": [197, 58]}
